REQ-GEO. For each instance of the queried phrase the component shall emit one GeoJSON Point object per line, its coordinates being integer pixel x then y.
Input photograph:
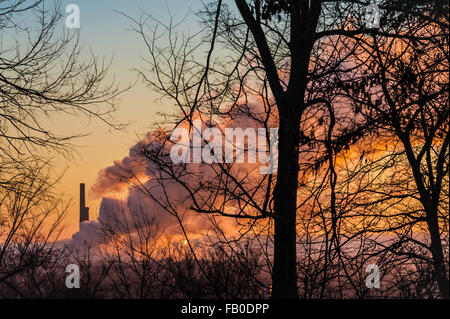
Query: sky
{"type": "Point", "coordinates": [107, 33]}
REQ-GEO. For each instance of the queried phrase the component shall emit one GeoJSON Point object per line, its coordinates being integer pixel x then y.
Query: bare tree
{"type": "Point", "coordinates": [269, 49]}
{"type": "Point", "coordinates": [30, 223]}
{"type": "Point", "coordinates": [402, 92]}
{"type": "Point", "coordinates": [43, 73]}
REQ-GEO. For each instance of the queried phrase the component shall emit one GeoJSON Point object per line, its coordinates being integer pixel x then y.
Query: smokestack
{"type": "Point", "coordinates": [84, 211]}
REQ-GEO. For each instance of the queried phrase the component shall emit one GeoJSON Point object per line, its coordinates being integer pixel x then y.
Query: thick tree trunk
{"type": "Point", "coordinates": [290, 108]}
{"type": "Point", "coordinates": [284, 277]}
{"type": "Point", "coordinates": [304, 16]}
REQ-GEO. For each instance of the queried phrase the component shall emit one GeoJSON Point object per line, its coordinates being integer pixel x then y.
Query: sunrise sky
{"type": "Point", "coordinates": [229, 150]}
{"type": "Point", "coordinates": [107, 33]}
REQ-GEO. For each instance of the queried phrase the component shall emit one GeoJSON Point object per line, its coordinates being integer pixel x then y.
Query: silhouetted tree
{"type": "Point", "coordinates": [401, 91]}
{"type": "Point", "coordinates": [264, 48]}
{"type": "Point", "coordinates": [42, 74]}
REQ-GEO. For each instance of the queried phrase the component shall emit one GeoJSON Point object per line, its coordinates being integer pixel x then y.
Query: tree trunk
{"type": "Point", "coordinates": [284, 277]}
{"type": "Point", "coordinates": [304, 16]}
{"type": "Point", "coordinates": [430, 204]}
{"type": "Point", "coordinates": [436, 251]}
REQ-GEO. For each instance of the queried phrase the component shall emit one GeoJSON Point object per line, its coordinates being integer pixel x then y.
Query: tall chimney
{"type": "Point", "coordinates": [84, 211]}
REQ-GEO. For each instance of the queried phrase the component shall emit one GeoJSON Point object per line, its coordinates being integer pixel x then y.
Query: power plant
{"type": "Point", "coordinates": [84, 211]}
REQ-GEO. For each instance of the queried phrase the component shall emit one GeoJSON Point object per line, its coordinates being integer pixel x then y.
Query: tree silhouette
{"type": "Point", "coordinates": [269, 49]}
